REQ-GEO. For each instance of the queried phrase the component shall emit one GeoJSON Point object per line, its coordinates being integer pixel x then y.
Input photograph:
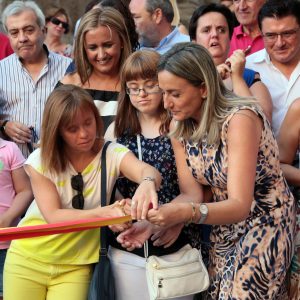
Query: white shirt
{"type": "Point", "coordinates": [21, 98]}
{"type": "Point", "coordinates": [283, 91]}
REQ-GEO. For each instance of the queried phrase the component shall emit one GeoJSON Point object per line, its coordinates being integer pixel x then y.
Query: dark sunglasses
{"type": "Point", "coordinates": [77, 185]}
{"type": "Point", "coordinates": [57, 22]}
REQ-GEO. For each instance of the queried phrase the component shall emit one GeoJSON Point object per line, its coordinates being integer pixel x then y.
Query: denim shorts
{"type": "Point", "coordinates": [2, 260]}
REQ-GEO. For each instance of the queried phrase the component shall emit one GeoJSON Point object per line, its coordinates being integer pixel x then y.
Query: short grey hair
{"type": "Point", "coordinates": [165, 6]}
{"type": "Point", "coordinates": [17, 7]}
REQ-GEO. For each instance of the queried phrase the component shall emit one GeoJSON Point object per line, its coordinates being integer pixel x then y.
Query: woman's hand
{"type": "Point", "coordinates": [145, 198]}
{"type": "Point", "coordinates": [136, 236]}
{"type": "Point", "coordinates": [166, 236]}
{"type": "Point", "coordinates": [149, 180]}
{"type": "Point", "coordinates": [168, 214]}
{"type": "Point", "coordinates": [117, 210]}
{"type": "Point", "coordinates": [224, 70]}
{"type": "Point", "coordinates": [237, 62]}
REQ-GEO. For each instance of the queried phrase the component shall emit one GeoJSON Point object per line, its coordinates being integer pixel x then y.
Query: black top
{"type": "Point", "coordinates": [157, 152]}
{"type": "Point", "coordinates": [106, 102]}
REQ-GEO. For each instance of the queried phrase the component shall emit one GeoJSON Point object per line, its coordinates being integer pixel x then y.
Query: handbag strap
{"type": "Point", "coordinates": [103, 230]}
{"type": "Point", "coordinates": [138, 139]}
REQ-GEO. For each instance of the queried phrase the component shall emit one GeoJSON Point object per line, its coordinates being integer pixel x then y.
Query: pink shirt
{"type": "Point", "coordinates": [11, 159]}
{"type": "Point", "coordinates": [241, 40]}
{"type": "Point", "coordinates": [5, 48]}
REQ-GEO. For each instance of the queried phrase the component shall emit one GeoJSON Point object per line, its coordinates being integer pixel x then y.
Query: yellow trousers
{"type": "Point", "coordinates": [28, 279]}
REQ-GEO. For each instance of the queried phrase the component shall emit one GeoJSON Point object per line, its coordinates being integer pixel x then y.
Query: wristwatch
{"type": "Point", "coordinates": [2, 128]}
{"type": "Point", "coordinates": [203, 209]}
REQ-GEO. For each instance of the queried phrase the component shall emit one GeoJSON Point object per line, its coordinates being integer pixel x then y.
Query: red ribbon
{"type": "Point", "coordinates": [13, 233]}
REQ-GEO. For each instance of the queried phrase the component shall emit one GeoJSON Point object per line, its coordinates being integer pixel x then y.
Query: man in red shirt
{"type": "Point", "coordinates": [248, 32]}
{"type": "Point", "coordinates": [5, 48]}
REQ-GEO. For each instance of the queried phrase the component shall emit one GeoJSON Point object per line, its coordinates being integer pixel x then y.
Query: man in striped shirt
{"type": "Point", "coordinates": [28, 76]}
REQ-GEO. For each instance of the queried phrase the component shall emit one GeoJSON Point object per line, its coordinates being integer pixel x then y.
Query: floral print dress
{"type": "Point", "coordinates": [249, 259]}
{"type": "Point", "coordinates": [157, 152]}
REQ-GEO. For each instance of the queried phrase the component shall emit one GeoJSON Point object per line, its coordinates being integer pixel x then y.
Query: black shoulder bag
{"type": "Point", "coordinates": [102, 286]}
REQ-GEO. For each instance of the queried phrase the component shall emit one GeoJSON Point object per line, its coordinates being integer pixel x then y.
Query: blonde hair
{"type": "Point", "coordinates": [108, 17]}
{"type": "Point", "coordinates": [193, 63]}
{"type": "Point", "coordinates": [60, 109]}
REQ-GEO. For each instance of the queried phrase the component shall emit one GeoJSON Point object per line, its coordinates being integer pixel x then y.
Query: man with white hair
{"type": "Point", "coordinates": [28, 76]}
{"type": "Point", "coordinates": [247, 33]}
{"type": "Point", "coordinates": [153, 21]}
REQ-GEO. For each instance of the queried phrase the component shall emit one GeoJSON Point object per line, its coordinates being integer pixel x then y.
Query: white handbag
{"type": "Point", "coordinates": [176, 275]}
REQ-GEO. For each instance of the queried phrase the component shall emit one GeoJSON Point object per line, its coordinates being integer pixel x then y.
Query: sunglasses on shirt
{"type": "Point", "coordinates": [57, 22]}
{"type": "Point", "coordinates": [77, 185]}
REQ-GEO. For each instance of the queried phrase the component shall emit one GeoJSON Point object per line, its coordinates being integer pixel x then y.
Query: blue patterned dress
{"type": "Point", "coordinates": [158, 152]}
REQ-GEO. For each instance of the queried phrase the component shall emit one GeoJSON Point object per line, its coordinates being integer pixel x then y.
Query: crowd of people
{"type": "Point", "coordinates": [203, 124]}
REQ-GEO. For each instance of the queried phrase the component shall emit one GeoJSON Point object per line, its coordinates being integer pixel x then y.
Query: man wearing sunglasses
{"type": "Point", "coordinates": [278, 64]}
{"type": "Point", "coordinates": [28, 76]}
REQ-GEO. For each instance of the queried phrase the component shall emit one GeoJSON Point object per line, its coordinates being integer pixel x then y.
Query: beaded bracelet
{"type": "Point", "coordinates": [193, 214]}
{"type": "Point", "coordinates": [148, 178]}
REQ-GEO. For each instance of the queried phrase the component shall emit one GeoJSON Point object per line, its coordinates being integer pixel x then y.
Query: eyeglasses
{"type": "Point", "coordinates": [77, 185]}
{"type": "Point", "coordinates": [57, 22]}
{"type": "Point", "coordinates": [238, 1]}
{"type": "Point", "coordinates": [286, 35]}
{"type": "Point", "coordinates": [153, 89]}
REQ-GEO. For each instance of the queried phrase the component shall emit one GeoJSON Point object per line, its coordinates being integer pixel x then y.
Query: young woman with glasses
{"type": "Point", "coordinates": [139, 127]}
{"type": "Point", "coordinates": [57, 25]}
{"type": "Point", "coordinates": [65, 174]}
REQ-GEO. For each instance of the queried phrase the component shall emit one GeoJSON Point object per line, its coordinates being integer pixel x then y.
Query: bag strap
{"type": "Point", "coordinates": [138, 139]}
{"type": "Point", "coordinates": [103, 230]}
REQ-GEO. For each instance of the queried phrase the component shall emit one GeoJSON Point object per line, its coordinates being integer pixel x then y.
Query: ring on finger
{"type": "Point", "coordinates": [122, 208]}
